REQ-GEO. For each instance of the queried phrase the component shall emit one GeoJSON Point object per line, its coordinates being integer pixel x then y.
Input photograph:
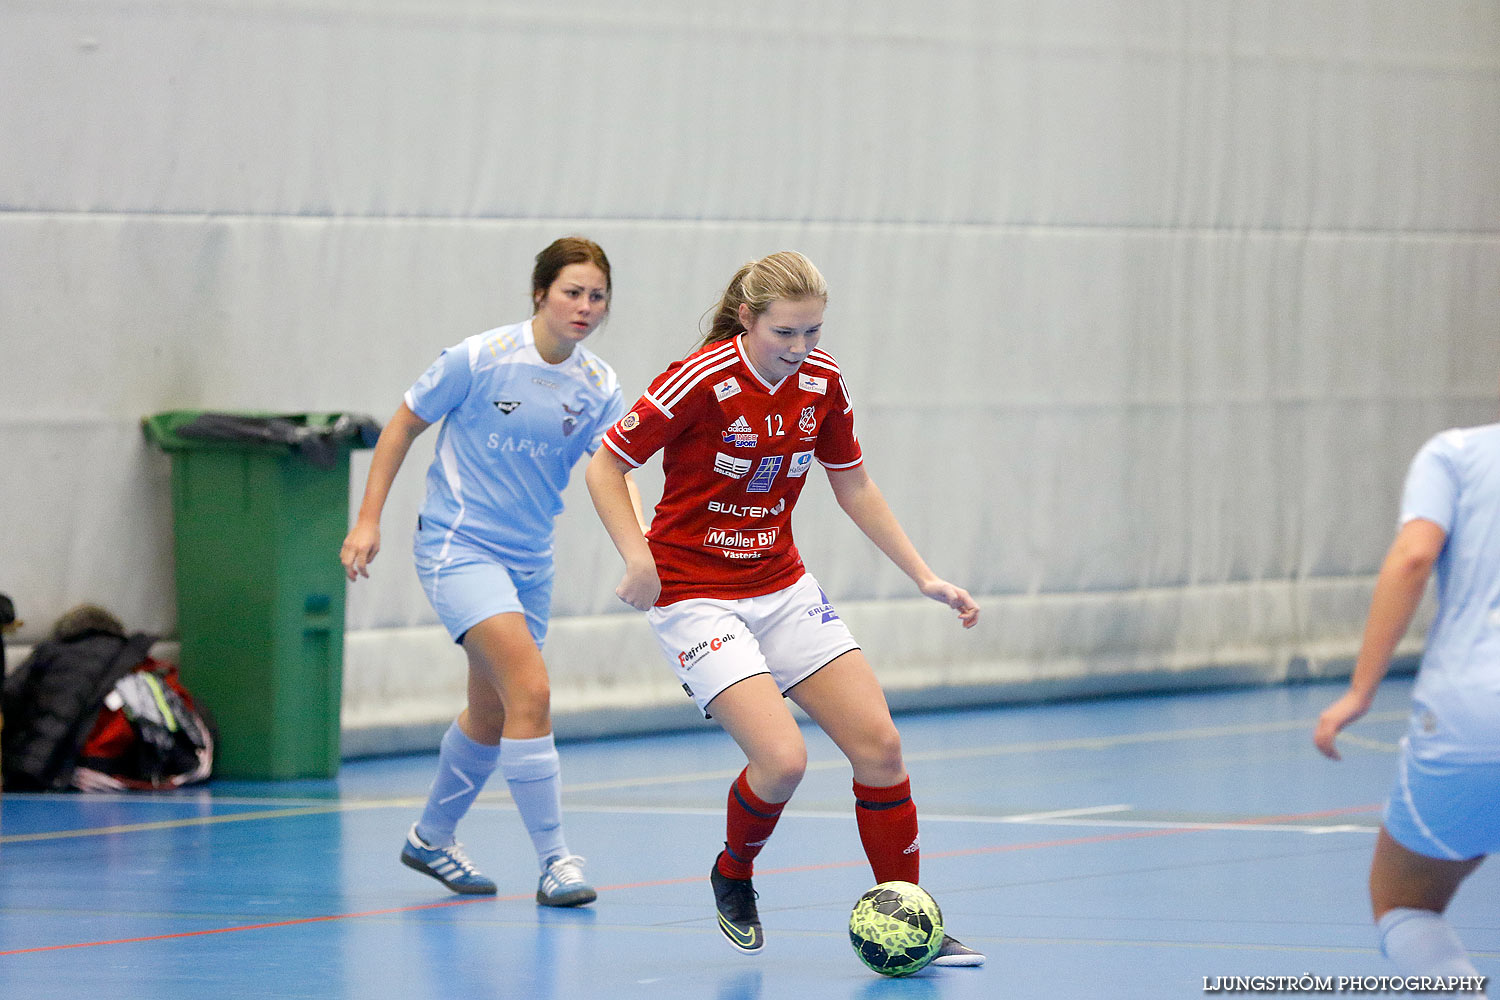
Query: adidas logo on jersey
{"type": "Point", "coordinates": [740, 435]}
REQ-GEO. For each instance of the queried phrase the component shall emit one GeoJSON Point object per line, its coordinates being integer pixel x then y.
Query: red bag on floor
{"type": "Point", "coordinates": [149, 734]}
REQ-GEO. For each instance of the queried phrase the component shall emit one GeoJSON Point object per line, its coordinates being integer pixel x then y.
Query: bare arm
{"type": "Point", "coordinates": [363, 541]}
{"type": "Point", "coordinates": [862, 500]}
{"type": "Point", "coordinates": [635, 503]}
{"type": "Point", "coordinates": [618, 505]}
{"type": "Point", "coordinates": [1398, 591]}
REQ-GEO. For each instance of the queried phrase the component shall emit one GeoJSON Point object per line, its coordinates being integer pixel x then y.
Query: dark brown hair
{"type": "Point", "coordinates": [559, 254]}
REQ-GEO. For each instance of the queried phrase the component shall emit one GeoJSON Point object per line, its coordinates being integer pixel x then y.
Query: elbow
{"type": "Point", "coordinates": [847, 500]}
{"type": "Point", "coordinates": [1412, 562]}
{"type": "Point", "coordinates": [1416, 549]}
{"type": "Point", "coordinates": [1414, 565]}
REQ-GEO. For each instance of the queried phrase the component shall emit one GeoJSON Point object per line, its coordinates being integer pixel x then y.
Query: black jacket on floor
{"type": "Point", "coordinates": [52, 700]}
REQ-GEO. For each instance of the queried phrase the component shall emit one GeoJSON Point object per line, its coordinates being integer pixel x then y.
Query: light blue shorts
{"type": "Point", "coordinates": [466, 585]}
{"type": "Point", "coordinates": [1449, 811]}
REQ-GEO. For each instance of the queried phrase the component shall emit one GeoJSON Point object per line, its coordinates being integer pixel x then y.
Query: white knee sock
{"type": "Point", "coordinates": [1422, 943]}
{"type": "Point", "coordinates": [533, 771]}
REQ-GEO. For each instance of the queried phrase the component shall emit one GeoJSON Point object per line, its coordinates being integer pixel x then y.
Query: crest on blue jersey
{"type": "Point", "coordinates": [571, 420]}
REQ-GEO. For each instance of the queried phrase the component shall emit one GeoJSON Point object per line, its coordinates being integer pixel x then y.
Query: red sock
{"type": "Point", "coordinates": [887, 820]}
{"type": "Point", "coordinates": [750, 822]}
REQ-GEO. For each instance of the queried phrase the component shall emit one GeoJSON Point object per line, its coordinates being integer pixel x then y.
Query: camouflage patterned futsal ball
{"type": "Point", "coordinates": [896, 928]}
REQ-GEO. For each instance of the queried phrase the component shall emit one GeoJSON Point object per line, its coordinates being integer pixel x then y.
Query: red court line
{"type": "Point", "coordinates": [1034, 845]}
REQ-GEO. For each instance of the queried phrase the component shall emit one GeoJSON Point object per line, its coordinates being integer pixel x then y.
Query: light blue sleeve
{"type": "Point", "coordinates": [613, 411]}
{"type": "Point", "coordinates": [1432, 482]}
{"type": "Point", "coordinates": [442, 387]}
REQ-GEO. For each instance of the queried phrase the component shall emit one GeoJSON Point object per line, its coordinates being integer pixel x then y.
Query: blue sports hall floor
{"type": "Point", "coordinates": [1130, 847]}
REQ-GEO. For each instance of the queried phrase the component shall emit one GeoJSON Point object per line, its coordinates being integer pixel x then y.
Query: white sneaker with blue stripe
{"type": "Point", "coordinates": [449, 865]}
{"type": "Point", "coordinates": [563, 884]}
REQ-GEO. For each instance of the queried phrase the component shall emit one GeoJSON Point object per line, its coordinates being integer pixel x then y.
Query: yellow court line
{"type": "Point", "coordinates": [1001, 749]}
{"type": "Point", "coordinates": [1365, 743]}
{"type": "Point", "coordinates": [174, 824]}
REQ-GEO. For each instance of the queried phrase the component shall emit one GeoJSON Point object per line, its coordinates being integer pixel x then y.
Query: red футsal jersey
{"type": "Point", "coordinates": [736, 453]}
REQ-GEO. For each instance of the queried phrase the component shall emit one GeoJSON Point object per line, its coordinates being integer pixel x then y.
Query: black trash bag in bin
{"type": "Point", "coordinates": [319, 445]}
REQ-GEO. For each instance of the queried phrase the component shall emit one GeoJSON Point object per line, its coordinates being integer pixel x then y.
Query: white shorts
{"type": "Point", "coordinates": [1444, 810]}
{"type": "Point", "coordinates": [712, 644]}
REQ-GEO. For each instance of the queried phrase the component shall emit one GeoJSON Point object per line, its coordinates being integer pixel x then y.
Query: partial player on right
{"type": "Point", "coordinates": [1443, 814]}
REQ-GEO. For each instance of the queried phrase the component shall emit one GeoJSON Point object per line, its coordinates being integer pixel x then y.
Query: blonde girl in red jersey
{"type": "Point", "coordinates": [740, 422]}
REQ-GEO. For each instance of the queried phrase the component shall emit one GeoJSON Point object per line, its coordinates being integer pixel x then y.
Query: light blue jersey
{"type": "Point", "coordinates": [1454, 482]}
{"type": "Point", "coordinates": [513, 428]}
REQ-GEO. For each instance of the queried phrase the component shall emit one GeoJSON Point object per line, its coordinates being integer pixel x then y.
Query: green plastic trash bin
{"type": "Point", "coordinates": [257, 525]}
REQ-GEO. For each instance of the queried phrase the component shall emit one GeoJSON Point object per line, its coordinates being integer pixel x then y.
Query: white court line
{"type": "Point", "coordinates": [1146, 824]}
{"type": "Point", "coordinates": [1063, 817]}
{"type": "Point", "coordinates": [280, 808]}
{"type": "Point", "coordinates": [689, 777]}
{"type": "Point", "coordinates": [1136, 739]}
{"type": "Point", "coordinates": [1062, 814]}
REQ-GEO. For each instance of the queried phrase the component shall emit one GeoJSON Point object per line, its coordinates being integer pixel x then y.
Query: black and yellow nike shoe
{"type": "Point", "coordinates": [738, 920]}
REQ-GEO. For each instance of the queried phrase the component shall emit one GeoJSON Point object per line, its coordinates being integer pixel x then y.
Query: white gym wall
{"type": "Point", "coordinates": [1145, 304]}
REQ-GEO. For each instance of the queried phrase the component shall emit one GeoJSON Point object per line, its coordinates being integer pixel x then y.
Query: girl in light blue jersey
{"type": "Point", "coordinates": [1443, 815]}
{"type": "Point", "coordinates": [519, 405]}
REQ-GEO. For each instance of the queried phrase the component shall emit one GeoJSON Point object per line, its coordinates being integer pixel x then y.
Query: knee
{"type": "Point", "coordinates": [776, 774]}
{"type": "Point", "coordinates": [529, 701]}
{"type": "Point", "coordinates": [878, 757]}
